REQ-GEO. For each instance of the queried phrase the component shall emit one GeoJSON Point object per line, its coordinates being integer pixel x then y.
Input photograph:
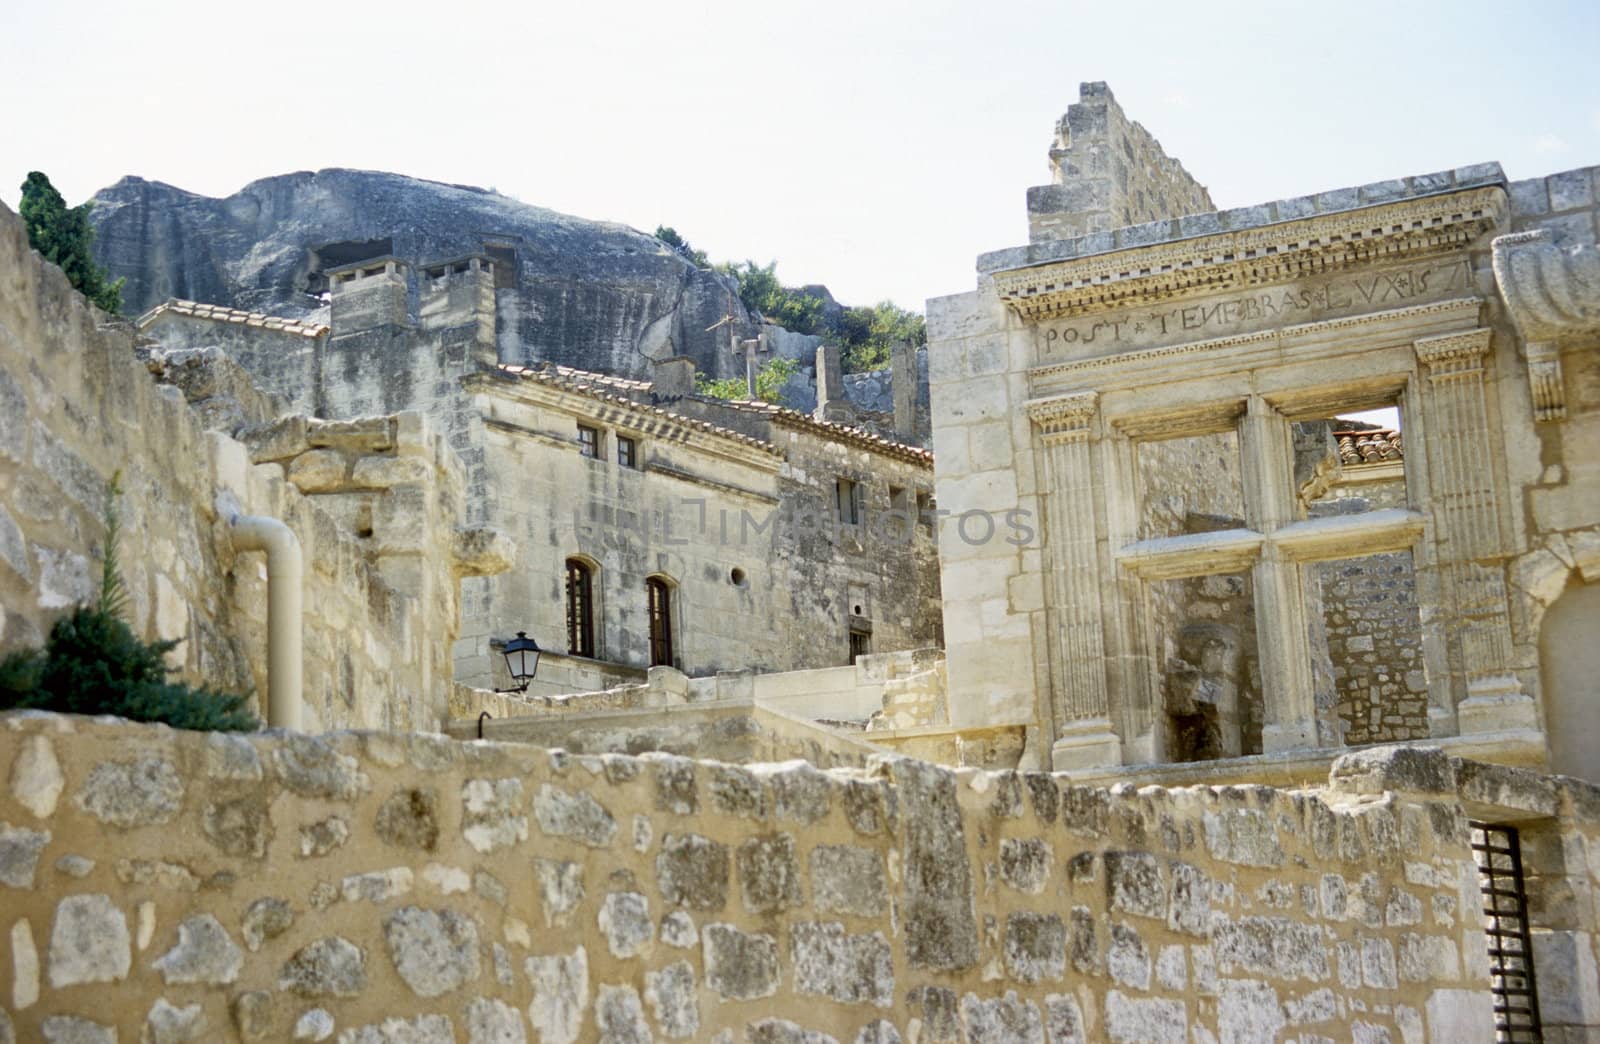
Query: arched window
{"type": "Point", "coordinates": [580, 608]}
{"type": "Point", "coordinates": [660, 598]}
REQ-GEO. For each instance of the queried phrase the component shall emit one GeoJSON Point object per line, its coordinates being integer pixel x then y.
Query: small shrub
{"type": "Point", "coordinates": [93, 663]}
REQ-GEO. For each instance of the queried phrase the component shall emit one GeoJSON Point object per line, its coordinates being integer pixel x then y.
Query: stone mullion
{"type": "Point", "coordinates": [1469, 541]}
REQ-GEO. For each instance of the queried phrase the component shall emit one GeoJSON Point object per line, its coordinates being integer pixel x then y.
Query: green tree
{"type": "Point", "coordinates": [770, 380]}
{"type": "Point", "coordinates": [93, 663]}
{"type": "Point", "coordinates": [669, 235]}
{"type": "Point", "coordinates": [63, 235]}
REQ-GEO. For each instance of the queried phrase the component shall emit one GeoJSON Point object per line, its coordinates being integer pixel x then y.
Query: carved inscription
{"type": "Point", "coordinates": [1258, 310]}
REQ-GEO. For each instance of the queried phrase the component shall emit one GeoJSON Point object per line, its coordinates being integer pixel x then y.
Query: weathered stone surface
{"type": "Point", "coordinates": [259, 253]}
{"type": "Point", "coordinates": [1136, 884]}
{"type": "Point", "coordinates": [204, 954]}
{"type": "Point", "coordinates": [673, 1000]}
{"type": "Point", "coordinates": [424, 1029]}
{"type": "Point", "coordinates": [675, 789]}
{"type": "Point", "coordinates": [677, 929]}
{"type": "Point", "coordinates": [19, 854]}
{"type": "Point", "coordinates": [1134, 1021]}
{"type": "Point", "coordinates": [70, 1029]}
{"type": "Point", "coordinates": [329, 967]}
{"type": "Point", "coordinates": [254, 1014]}
{"type": "Point", "coordinates": [576, 816]}
{"type": "Point", "coordinates": [940, 1012]}
{"type": "Point", "coordinates": [739, 966]}
{"type": "Point", "coordinates": [1249, 1011]}
{"type": "Point", "coordinates": [1271, 946]}
{"type": "Point", "coordinates": [1002, 1020]}
{"type": "Point", "coordinates": [769, 874]}
{"type": "Point", "coordinates": [560, 887]}
{"type": "Point", "coordinates": [1424, 772]}
{"type": "Point", "coordinates": [1063, 1020]}
{"type": "Point", "coordinates": [490, 887]}
{"type": "Point", "coordinates": [154, 871]}
{"type": "Point", "coordinates": [1127, 959]}
{"type": "Point", "coordinates": [1025, 863]}
{"type": "Point", "coordinates": [76, 866]}
{"type": "Point", "coordinates": [166, 1024]}
{"type": "Point", "coordinates": [940, 930]}
{"type": "Point", "coordinates": [848, 879]}
{"type": "Point", "coordinates": [323, 836]}
{"type": "Point", "coordinates": [266, 918]}
{"type": "Point", "coordinates": [231, 758]}
{"type": "Point", "coordinates": [1035, 947]}
{"type": "Point", "coordinates": [310, 767]}
{"type": "Point", "coordinates": [851, 969]}
{"type": "Point", "coordinates": [692, 871]}
{"type": "Point", "coordinates": [881, 1031]}
{"type": "Point", "coordinates": [799, 792]}
{"type": "Point", "coordinates": [239, 827]}
{"type": "Point", "coordinates": [89, 942]}
{"type": "Point", "coordinates": [492, 815]}
{"type": "Point", "coordinates": [1190, 909]}
{"type": "Point", "coordinates": [737, 791]}
{"type": "Point", "coordinates": [620, 1016]}
{"type": "Point", "coordinates": [36, 779]}
{"type": "Point", "coordinates": [142, 792]}
{"type": "Point", "coordinates": [409, 818]}
{"type": "Point", "coordinates": [493, 1022]}
{"type": "Point", "coordinates": [315, 1025]}
{"type": "Point", "coordinates": [434, 951]}
{"type": "Point", "coordinates": [560, 995]}
{"type": "Point", "coordinates": [782, 1031]}
{"type": "Point", "coordinates": [624, 918]}
{"type": "Point", "coordinates": [24, 965]}
{"type": "Point", "coordinates": [1243, 835]}
{"type": "Point", "coordinates": [379, 886]}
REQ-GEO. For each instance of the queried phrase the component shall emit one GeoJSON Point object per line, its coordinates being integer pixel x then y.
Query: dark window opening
{"type": "Point", "coordinates": [1498, 851]}
{"type": "Point", "coordinates": [847, 501]}
{"type": "Point", "coordinates": [580, 608]}
{"type": "Point", "coordinates": [589, 441]}
{"type": "Point", "coordinates": [860, 644]}
{"type": "Point", "coordinates": [505, 264]}
{"type": "Point", "coordinates": [660, 598]}
{"type": "Point", "coordinates": [337, 255]}
{"type": "Point", "coordinates": [627, 452]}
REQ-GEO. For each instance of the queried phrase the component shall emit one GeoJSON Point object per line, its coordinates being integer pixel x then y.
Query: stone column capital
{"type": "Point", "coordinates": [1453, 352]}
{"type": "Point", "coordinates": [1063, 415]}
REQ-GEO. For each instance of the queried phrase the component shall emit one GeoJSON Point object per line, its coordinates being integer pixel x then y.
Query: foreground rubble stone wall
{"type": "Point", "coordinates": [392, 887]}
{"type": "Point", "coordinates": [373, 503]}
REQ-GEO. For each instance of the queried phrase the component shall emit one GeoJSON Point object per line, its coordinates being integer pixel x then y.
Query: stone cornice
{"type": "Point", "coordinates": [1553, 295]}
{"type": "Point", "coordinates": [1274, 253]}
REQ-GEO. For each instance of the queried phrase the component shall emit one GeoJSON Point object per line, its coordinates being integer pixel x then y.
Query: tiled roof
{"type": "Point", "coordinates": [832, 430]}
{"type": "Point", "coordinates": [222, 314]}
{"type": "Point", "coordinates": [1369, 447]}
{"type": "Point", "coordinates": [620, 391]}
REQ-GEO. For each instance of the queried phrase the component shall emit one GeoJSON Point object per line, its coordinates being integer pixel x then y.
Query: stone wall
{"type": "Point", "coordinates": [77, 404]}
{"type": "Point", "coordinates": [391, 888]}
{"type": "Point", "coordinates": [1107, 172]}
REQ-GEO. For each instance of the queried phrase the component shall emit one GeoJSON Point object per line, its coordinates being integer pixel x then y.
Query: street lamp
{"type": "Point", "coordinates": [522, 660]}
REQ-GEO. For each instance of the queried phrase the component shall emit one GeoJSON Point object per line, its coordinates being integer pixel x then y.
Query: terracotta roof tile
{"type": "Point", "coordinates": [830, 429]}
{"type": "Point", "coordinates": [223, 314]}
{"type": "Point", "coordinates": [1369, 447]}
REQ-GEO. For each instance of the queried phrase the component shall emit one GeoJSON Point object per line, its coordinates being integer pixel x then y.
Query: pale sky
{"type": "Point", "coordinates": [874, 147]}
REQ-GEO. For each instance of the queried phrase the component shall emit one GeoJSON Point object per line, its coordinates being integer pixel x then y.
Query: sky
{"type": "Point", "coordinates": [875, 147]}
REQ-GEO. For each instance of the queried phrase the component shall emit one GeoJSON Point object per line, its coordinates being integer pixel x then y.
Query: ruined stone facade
{"type": "Point", "coordinates": [1147, 392]}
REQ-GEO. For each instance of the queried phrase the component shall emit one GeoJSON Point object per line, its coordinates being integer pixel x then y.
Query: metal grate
{"type": "Point", "coordinates": [1505, 922]}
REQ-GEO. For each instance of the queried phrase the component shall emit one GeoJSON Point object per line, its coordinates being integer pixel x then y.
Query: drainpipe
{"type": "Point", "coordinates": [284, 651]}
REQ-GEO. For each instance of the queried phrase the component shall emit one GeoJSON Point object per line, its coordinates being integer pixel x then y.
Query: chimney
{"type": "Point", "coordinates": [460, 293]}
{"type": "Point", "coordinates": [673, 378]}
{"type": "Point", "coordinates": [368, 295]}
{"type": "Point", "coordinates": [903, 383]}
{"type": "Point", "coordinates": [831, 402]}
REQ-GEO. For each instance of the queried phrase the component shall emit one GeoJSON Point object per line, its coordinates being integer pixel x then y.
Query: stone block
{"type": "Point", "coordinates": [89, 942]}
{"type": "Point", "coordinates": [769, 874]}
{"type": "Point", "coordinates": [434, 951]}
{"type": "Point", "coordinates": [560, 995]}
{"type": "Point", "coordinates": [692, 871]}
{"type": "Point", "coordinates": [850, 969]}
{"type": "Point", "coordinates": [1571, 189]}
{"type": "Point", "coordinates": [1035, 947]}
{"type": "Point", "coordinates": [320, 471]}
{"type": "Point", "coordinates": [1422, 772]}
{"type": "Point", "coordinates": [739, 966]}
{"type": "Point", "coordinates": [329, 967]}
{"type": "Point", "coordinates": [1458, 1015]}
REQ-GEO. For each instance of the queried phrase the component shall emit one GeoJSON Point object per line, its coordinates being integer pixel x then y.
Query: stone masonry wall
{"type": "Point", "coordinates": [1108, 172]}
{"type": "Point", "coordinates": [389, 887]}
{"type": "Point", "coordinates": [77, 405]}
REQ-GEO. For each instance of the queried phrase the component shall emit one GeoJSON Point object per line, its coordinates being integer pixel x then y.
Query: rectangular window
{"type": "Point", "coordinates": [860, 644]}
{"type": "Point", "coordinates": [847, 501]}
{"type": "Point", "coordinates": [660, 597]}
{"type": "Point", "coordinates": [925, 509]}
{"type": "Point", "coordinates": [589, 441]}
{"type": "Point", "coordinates": [580, 608]}
{"type": "Point", "coordinates": [627, 452]}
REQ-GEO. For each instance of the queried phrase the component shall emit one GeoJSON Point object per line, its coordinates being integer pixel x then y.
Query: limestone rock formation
{"type": "Point", "coordinates": [591, 294]}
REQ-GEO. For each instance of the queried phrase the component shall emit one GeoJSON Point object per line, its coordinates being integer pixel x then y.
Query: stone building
{"type": "Point", "coordinates": [654, 526]}
{"type": "Point", "coordinates": [1228, 565]}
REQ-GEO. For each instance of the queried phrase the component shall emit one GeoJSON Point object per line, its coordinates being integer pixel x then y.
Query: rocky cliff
{"type": "Point", "coordinates": [585, 293]}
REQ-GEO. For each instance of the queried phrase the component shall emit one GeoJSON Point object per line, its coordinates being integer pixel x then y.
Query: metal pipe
{"type": "Point", "coordinates": [284, 640]}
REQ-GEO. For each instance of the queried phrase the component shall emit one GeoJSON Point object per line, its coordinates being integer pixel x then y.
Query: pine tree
{"type": "Point", "coordinates": [63, 235]}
